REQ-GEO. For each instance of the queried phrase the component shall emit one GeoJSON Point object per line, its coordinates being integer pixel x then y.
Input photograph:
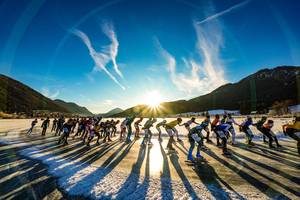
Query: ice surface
{"type": "Point", "coordinates": [78, 178]}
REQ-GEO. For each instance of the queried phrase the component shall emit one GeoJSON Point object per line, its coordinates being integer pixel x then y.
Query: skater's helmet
{"type": "Point", "coordinates": [193, 119]}
{"type": "Point", "coordinates": [217, 116]}
{"type": "Point", "coordinates": [179, 119]}
{"type": "Point", "coordinates": [154, 120]}
{"type": "Point", "coordinates": [263, 117]}
{"type": "Point", "coordinates": [249, 118]}
{"type": "Point", "coordinates": [164, 121]}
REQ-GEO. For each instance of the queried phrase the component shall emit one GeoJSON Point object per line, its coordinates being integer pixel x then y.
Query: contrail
{"type": "Point", "coordinates": [108, 30]}
{"type": "Point", "coordinates": [100, 58]}
{"type": "Point", "coordinates": [224, 11]}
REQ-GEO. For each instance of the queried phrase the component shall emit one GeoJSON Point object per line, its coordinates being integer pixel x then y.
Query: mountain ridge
{"type": "Point", "coordinates": [256, 92]}
{"type": "Point", "coordinates": [73, 107]}
{"type": "Point", "coordinates": [111, 112]}
{"type": "Point", "coordinates": [18, 97]}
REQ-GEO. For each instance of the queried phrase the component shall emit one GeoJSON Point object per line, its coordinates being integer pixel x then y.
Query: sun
{"type": "Point", "coordinates": [152, 99]}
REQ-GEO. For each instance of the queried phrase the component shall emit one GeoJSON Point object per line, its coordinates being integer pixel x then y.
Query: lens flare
{"type": "Point", "coordinates": [153, 99]}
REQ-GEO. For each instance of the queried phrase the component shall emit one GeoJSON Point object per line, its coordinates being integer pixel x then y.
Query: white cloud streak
{"type": "Point", "coordinates": [224, 12]}
{"type": "Point", "coordinates": [107, 54]}
{"type": "Point", "coordinates": [113, 48]}
{"type": "Point", "coordinates": [205, 76]}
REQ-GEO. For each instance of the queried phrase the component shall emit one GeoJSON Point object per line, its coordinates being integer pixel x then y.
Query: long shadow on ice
{"type": "Point", "coordinates": [83, 151]}
{"type": "Point", "coordinates": [82, 156]}
{"type": "Point", "coordinates": [210, 178]}
{"type": "Point", "coordinates": [28, 180]}
{"type": "Point", "coordinates": [174, 160]}
{"type": "Point", "coordinates": [89, 155]}
{"type": "Point", "coordinates": [270, 168]}
{"type": "Point", "coordinates": [281, 150]}
{"type": "Point", "coordinates": [66, 169]}
{"type": "Point", "coordinates": [265, 153]}
{"type": "Point", "coordinates": [264, 188]}
{"type": "Point", "coordinates": [47, 147]}
{"type": "Point", "coordinates": [165, 179]}
{"type": "Point", "coordinates": [132, 181]}
{"type": "Point", "coordinates": [89, 177]}
{"type": "Point", "coordinates": [142, 188]}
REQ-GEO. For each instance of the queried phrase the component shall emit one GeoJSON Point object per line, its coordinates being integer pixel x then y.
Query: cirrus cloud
{"type": "Point", "coordinates": [203, 76]}
{"type": "Point", "coordinates": [108, 53]}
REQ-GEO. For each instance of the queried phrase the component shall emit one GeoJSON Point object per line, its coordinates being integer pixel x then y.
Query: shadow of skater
{"type": "Point", "coordinates": [187, 185]}
{"type": "Point", "coordinates": [265, 175]}
{"type": "Point", "coordinates": [96, 154]}
{"type": "Point", "coordinates": [32, 183]}
{"type": "Point", "coordinates": [210, 178]}
{"type": "Point", "coordinates": [268, 167]}
{"type": "Point", "coordinates": [276, 152]}
{"type": "Point", "coordinates": [264, 188]}
{"type": "Point", "coordinates": [265, 153]}
{"type": "Point", "coordinates": [132, 181]}
{"type": "Point", "coordinates": [165, 179]}
{"type": "Point", "coordinates": [213, 177]}
{"type": "Point", "coordinates": [94, 177]}
{"type": "Point", "coordinates": [142, 189]}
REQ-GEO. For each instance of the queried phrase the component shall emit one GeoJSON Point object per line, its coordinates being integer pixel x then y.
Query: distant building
{"type": "Point", "coordinates": [188, 114]}
{"type": "Point", "coordinates": [290, 109]}
{"type": "Point", "coordinates": [222, 112]}
{"type": "Point", "coordinates": [294, 109]}
{"type": "Point", "coordinates": [209, 112]}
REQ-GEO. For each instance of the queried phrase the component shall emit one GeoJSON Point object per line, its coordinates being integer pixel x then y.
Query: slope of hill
{"type": "Point", "coordinates": [256, 92]}
{"type": "Point", "coordinates": [17, 97]}
{"type": "Point", "coordinates": [73, 107]}
{"type": "Point", "coordinates": [111, 112]}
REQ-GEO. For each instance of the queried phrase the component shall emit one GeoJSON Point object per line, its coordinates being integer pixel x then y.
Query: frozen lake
{"type": "Point", "coordinates": [127, 171]}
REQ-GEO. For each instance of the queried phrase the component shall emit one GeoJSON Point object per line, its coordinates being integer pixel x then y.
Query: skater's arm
{"type": "Point", "coordinates": [234, 122]}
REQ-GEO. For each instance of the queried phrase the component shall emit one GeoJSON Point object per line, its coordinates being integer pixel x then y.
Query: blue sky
{"type": "Point", "coordinates": [106, 54]}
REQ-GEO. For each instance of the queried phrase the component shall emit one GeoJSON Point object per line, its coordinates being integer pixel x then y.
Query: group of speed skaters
{"type": "Point", "coordinates": [222, 127]}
